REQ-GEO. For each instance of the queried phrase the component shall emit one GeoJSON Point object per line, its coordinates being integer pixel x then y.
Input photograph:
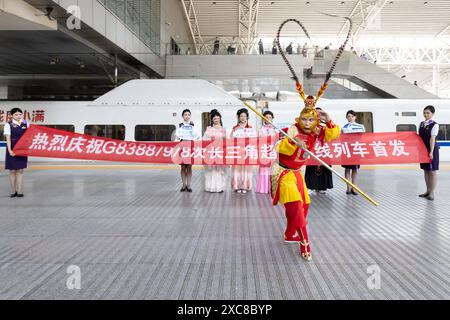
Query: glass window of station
{"type": "Point", "coordinates": [142, 17]}
{"type": "Point", "coordinates": [444, 132]}
{"type": "Point", "coordinates": [159, 132]}
{"type": "Point", "coordinates": [105, 131]}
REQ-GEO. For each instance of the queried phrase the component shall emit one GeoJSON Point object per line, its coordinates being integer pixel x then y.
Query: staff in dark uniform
{"type": "Point", "coordinates": [428, 131]}
{"type": "Point", "coordinates": [13, 131]}
{"type": "Point", "coordinates": [319, 178]}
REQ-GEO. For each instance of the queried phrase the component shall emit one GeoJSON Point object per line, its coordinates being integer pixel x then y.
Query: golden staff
{"type": "Point", "coordinates": [313, 155]}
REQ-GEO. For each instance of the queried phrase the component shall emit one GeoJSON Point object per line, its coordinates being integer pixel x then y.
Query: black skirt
{"type": "Point", "coordinates": [318, 178]}
{"type": "Point", "coordinates": [352, 166]}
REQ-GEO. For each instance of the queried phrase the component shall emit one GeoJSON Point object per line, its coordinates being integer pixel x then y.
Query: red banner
{"type": "Point", "coordinates": [364, 148]}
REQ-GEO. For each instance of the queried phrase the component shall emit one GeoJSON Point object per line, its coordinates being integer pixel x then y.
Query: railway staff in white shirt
{"type": "Point", "coordinates": [186, 131]}
{"type": "Point", "coordinates": [352, 127]}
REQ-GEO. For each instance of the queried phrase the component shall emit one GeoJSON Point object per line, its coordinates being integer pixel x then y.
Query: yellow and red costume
{"type": "Point", "coordinates": [288, 184]}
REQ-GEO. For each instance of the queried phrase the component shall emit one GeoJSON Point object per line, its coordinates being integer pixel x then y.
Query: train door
{"type": "Point", "coordinates": [366, 119]}
{"type": "Point", "coordinates": [205, 122]}
{"type": "Point", "coordinates": [263, 106]}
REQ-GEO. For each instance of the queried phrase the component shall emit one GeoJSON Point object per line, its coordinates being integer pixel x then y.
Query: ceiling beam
{"type": "Point", "coordinates": [357, 5]}
{"type": "Point", "coordinates": [194, 28]}
{"type": "Point", "coordinates": [248, 23]}
{"type": "Point", "coordinates": [363, 15]}
{"type": "Point", "coordinates": [440, 33]}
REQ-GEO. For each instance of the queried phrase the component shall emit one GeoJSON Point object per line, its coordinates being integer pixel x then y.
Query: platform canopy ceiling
{"type": "Point", "coordinates": [381, 18]}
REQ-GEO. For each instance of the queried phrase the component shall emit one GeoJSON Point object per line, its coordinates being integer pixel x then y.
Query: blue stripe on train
{"type": "Point", "coordinates": [2, 144]}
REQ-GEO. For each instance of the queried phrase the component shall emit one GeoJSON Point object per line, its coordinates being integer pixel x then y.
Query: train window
{"type": "Point", "coordinates": [2, 136]}
{"type": "Point", "coordinates": [365, 118]}
{"type": "Point", "coordinates": [105, 131]}
{"type": "Point", "coordinates": [444, 132]}
{"type": "Point", "coordinates": [65, 127]}
{"type": "Point", "coordinates": [205, 121]}
{"type": "Point", "coordinates": [406, 127]}
{"type": "Point", "coordinates": [408, 114]}
{"type": "Point", "coordinates": [159, 132]}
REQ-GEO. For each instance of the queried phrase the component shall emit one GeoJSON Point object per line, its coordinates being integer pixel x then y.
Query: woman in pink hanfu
{"type": "Point", "coordinates": [215, 175]}
{"type": "Point", "coordinates": [241, 180]}
{"type": "Point", "coordinates": [267, 130]}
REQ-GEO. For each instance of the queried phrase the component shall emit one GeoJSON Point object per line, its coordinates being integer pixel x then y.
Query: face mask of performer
{"type": "Point", "coordinates": [309, 118]}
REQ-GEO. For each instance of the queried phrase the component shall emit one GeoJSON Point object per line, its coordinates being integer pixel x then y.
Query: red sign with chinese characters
{"type": "Point", "coordinates": [36, 116]}
{"type": "Point", "coordinates": [364, 148]}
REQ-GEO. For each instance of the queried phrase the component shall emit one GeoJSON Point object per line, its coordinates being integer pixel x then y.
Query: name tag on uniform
{"type": "Point", "coordinates": [244, 133]}
{"type": "Point", "coordinates": [186, 132]}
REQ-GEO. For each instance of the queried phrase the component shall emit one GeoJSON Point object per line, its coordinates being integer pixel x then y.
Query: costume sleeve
{"type": "Point", "coordinates": [7, 130]}
{"type": "Point", "coordinates": [206, 135]}
{"type": "Point", "coordinates": [261, 132]}
{"type": "Point", "coordinates": [332, 131]}
{"type": "Point", "coordinates": [196, 134]}
{"type": "Point", "coordinates": [286, 146]}
{"type": "Point", "coordinates": [232, 133]}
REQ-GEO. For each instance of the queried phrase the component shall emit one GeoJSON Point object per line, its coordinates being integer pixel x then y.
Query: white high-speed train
{"type": "Point", "coordinates": [150, 110]}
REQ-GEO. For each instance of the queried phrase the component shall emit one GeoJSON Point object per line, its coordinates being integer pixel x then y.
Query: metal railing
{"type": "Point", "coordinates": [230, 48]}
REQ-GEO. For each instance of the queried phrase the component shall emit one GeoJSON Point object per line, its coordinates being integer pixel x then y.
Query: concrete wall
{"type": "Point", "coordinates": [255, 73]}
{"type": "Point", "coordinates": [369, 75]}
{"type": "Point", "coordinates": [336, 90]}
{"type": "Point", "coordinates": [19, 15]}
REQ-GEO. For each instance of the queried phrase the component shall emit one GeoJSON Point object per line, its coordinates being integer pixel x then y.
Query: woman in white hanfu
{"type": "Point", "coordinates": [215, 174]}
{"type": "Point", "coordinates": [241, 180]}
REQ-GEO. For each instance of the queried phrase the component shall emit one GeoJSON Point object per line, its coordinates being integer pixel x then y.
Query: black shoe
{"type": "Point", "coordinates": [353, 192]}
{"type": "Point", "coordinates": [424, 195]}
{"type": "Point", "coordinates": [20, 195]}
{"type": "Point", "coordinates": [183, 189]}
{"type": "Point", "coordinates": [188, 189]}
{"type": "Point", "coordinates": [13, 195]}
{"type": "Point", "coordinates": [348, 192]}
{"type": "Point", "coordinates": [430, 198]}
